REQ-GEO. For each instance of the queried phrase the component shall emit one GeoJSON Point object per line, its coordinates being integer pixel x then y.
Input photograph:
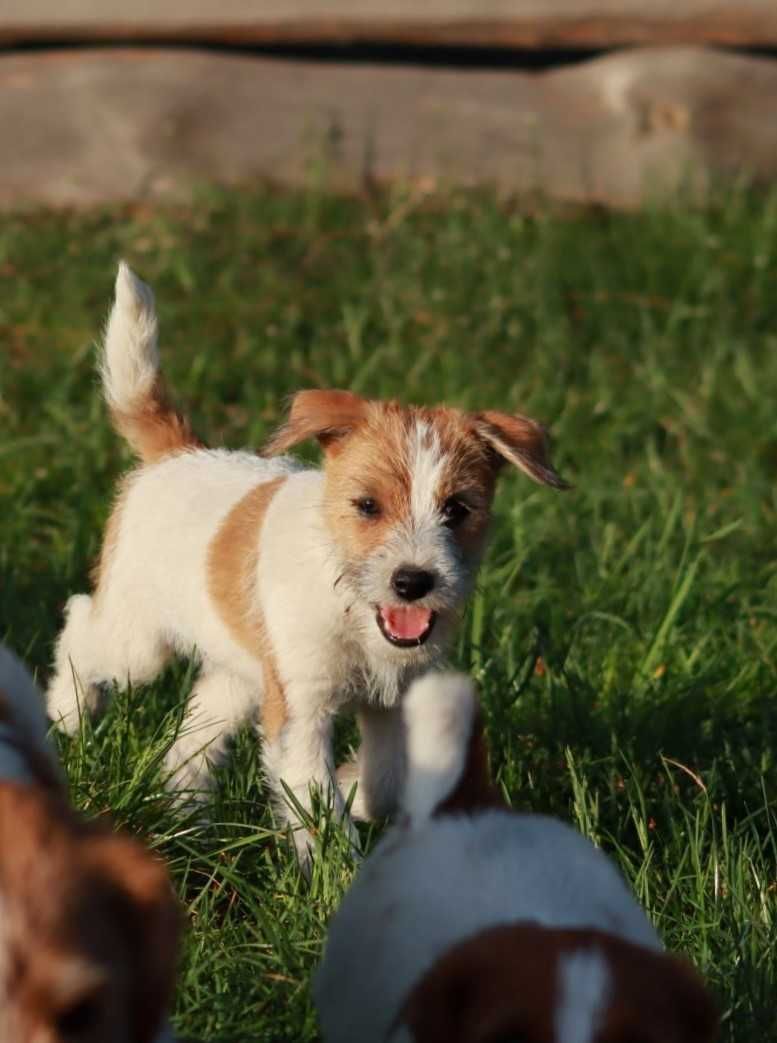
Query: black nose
{"type": "Point", "coordinates": [411, 584]}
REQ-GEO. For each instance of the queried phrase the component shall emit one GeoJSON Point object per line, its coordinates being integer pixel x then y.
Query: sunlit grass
{"type": "Point", "coordinates": [623, 634]}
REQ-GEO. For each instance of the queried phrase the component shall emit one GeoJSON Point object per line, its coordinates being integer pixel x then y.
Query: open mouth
{"type": "Point", "coordinates": [406, 626]}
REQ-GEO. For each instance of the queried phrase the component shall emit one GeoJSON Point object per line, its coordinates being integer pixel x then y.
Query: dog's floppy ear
{"type": "Point", "coordinates": [149, 914]}
{"type": "Point", "coordinates": [522, 442]}
{"type": "Point", "coordinates": [323, 414]}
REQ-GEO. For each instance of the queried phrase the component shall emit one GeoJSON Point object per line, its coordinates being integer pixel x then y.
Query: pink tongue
{"type": "Point", "coordinates": [406, 622]}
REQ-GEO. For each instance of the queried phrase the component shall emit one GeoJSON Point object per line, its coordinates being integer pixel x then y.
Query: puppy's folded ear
{"type": "Point", "coordinates": [326, 415]}
{"type": "Point", "coordinates": [521, 441]}
{"type": "Point", "coordinates": [149, 912]}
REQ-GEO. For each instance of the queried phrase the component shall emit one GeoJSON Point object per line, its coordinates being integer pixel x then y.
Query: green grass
{"type": "Point", "coordinates": [623, 634]}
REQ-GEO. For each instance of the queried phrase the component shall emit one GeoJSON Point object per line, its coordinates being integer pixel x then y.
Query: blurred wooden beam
{"type": "Point", "coordinates": [485, 23]}
{"type": "Point", "coordinates": [93, 126]}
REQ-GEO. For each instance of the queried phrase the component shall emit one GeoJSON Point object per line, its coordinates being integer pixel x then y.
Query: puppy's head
{"type": "Point", "coordinates": [407, 502]}
{"type": "Point", "coordinates": [88, 928]}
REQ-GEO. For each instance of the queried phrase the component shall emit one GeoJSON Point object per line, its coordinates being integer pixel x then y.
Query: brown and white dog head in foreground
{"type": "Point", "coordinates": [88, 922]}
{"type": "Point", "coordinates": [473, 924]}
{"type": "Point", "coordinates": [407, 499]}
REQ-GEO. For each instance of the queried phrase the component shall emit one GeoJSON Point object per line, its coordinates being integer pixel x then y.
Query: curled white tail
{"type": "Point", "coordinates": [129, 367]}
{"type": "Point", "coordinates": [130, 360]}
{"type": "Point", "coordinates": [440, 710]}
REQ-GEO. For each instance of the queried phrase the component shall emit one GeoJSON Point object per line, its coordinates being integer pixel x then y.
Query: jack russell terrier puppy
{"type": "Point", "coordinates": [471, 923]}
{"type": "Point", "coordinates": [88, 921]}
{"type": "Point", "coordinates": [303, 591]}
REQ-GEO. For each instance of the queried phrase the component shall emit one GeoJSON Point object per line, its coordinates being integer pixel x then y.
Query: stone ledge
{"type": "Point", "coordinates": [491, 23]}
{"type": "Point", "coordinates": [96, 126]}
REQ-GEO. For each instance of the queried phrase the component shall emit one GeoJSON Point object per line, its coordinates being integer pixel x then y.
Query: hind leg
{"type": "Point", "coordinates": [96, 646]}
{"type": "Point", "coordinates": [220, 702]}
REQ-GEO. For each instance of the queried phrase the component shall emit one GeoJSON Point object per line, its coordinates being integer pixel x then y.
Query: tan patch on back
{"type": "Point", "coordinates": [233, 557]}
{"type": "Point", "coordinates": [656, 996]}
{"type": "Point", "coordinates": [501, 980]}
{"type": "Point", "coordinates": [504, 981]}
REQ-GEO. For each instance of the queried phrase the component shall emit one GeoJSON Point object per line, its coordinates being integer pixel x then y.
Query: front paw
{"type": "Point", "coordinates": [189, 775]}
{"type": "Point", "coordinates": [304, 845]}
{"type": "Point", "coordinates": [347, 778]}
{"type": "Point", "coordinates": [311, 843]}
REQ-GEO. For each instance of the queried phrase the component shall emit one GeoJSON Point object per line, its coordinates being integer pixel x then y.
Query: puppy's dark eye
{"type": "Point", "coordinates": [454, 511]}
{"type": "Point", "coordinates": [367, 507]}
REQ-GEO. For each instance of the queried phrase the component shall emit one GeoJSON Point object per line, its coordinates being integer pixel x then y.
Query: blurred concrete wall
{"type": "Point", "coordinates": [613, 126]}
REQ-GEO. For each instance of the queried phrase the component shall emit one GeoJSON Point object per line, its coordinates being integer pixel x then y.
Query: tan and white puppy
{"type": "Point", "coordinates": [473, 924]}
{"type": "Point", "coordinates": [88, 921]}
{"type": "Point", "coordinates": [303, 591]}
